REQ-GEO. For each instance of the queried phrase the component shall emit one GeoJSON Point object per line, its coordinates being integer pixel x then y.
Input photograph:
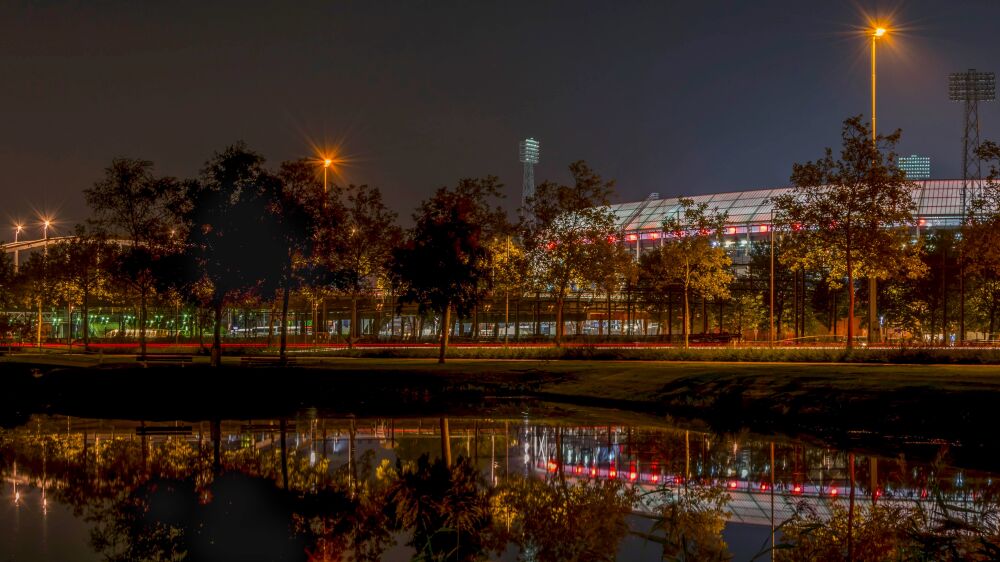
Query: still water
{"type": "Point", "coordinates": [514, 485]}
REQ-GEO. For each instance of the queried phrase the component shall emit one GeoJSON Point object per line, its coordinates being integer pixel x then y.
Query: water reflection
{"type": "Point", "coordinates": [317, 488]}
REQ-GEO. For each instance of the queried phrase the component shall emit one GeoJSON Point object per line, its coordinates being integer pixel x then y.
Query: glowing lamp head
{"type": "Point", "coordinates": [327, 162]}
{"type": "Point", "coordinates": [19, 227]}
{"type": "Point", "coordinates": [879, 31]}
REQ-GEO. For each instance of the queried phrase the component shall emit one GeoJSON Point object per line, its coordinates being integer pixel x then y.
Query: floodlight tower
{"type": "Point", "coordinates": [528, 152]}
{"type": "Point", "coordinates": [971, 87]}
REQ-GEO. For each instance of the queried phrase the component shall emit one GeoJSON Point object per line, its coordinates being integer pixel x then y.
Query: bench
{"type": "Point", "coordinates": [150, 430]}
{"type": "Point", "coordinates": [165, 359]}
{"type": "Point", "coordinates": [258, 361]}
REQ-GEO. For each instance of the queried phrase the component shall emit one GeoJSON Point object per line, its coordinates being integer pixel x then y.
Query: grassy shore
{"type": "Point", "coordinates": [876, 405]}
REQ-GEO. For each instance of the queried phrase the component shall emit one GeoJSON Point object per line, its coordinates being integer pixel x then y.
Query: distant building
{"type": "Point", "coordinates": [916, 167]}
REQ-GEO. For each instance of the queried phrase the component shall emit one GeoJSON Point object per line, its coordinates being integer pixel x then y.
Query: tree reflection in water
{"type": "Point", "coordinates": [283, 491]}
{"type": "Point", "coordinates": [553, 520]}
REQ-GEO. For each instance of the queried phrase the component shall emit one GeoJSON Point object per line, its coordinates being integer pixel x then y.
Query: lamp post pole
{"type": "Point", "coordinates": [873, 327]}
{"type": "Point", "coordinates": [506, 294]}
{"type": "Point", "coordinates": [17, 254]}
{"type": "Point", "coordinates": [770, 230]}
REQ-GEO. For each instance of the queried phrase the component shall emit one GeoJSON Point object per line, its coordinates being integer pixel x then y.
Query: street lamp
{"type": "Point", "coordinates": [877, 33]}
{"type": "Point", "coordinates": [327, 162]}
{"type": "Point", "coordinates": [18, 227]}
{"type": "Point", "coordinates": [46, 223]}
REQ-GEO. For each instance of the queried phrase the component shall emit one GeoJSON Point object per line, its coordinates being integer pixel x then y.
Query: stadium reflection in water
{"type": "Point", "coordinates": [343, 488]}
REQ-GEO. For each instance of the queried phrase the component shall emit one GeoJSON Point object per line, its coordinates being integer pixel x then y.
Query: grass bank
{"type": "Point", "coordinates": [899, 356]}
{"type": "Point", "coordinates": [599, 352]}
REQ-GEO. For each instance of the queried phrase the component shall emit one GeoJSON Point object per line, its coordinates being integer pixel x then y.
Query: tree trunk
{"type": "Point", "coordinates": [283, 344]}
{"type": "Point", "coordinates": [354, 322]}
{"type": "Point", "coordinates": [609, 315]}
{"type": "Point", "coordinates": [270, 322]}
{"type": "Point", "coordinates": [217, 336]}
{"type": "Point", "coordinates": [445, 443]}
{"type": "Point", "coordinates": [560, 301]}
{"type": "Point", "coordinates": [142, 322]}
{"type": "Point", "coordinates": [445, 327]}
{"type": "Point", "coordinates": [873, 325]}
{"type": "Point", "coordinates": [850, 298]}
{"type": "Point", "coordinates": [704, 314]}
{"type": "Point", "coordinates": [85, 311]}
{"type": "Point", "coordinates": [670, 317]}
{"type": "Point", "coordinates": [685, 325]}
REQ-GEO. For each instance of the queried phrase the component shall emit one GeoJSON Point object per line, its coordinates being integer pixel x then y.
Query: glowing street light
{"type": "Point", "coordinates": [327, 162]}
{"type": "Point", "coordinates": [877, 33]}
{"type": "Point", "coordinates": [18, 228]}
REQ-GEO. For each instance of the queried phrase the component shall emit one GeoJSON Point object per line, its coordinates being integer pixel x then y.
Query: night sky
{"type": "Point", "coordinates": [672, 97]}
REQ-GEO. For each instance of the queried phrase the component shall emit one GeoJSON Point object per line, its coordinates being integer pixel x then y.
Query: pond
{"type": "Point", "coordinates": [523, 481]}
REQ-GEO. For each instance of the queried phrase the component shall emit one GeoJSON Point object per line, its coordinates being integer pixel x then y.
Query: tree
{"type": "Point", "coordinates": [307, 219]}
{"type": "Point", "coordinates": [132, 205]}
{"type": "Point", "coordinates": [445, 261]}
{"type": "Point", "coordinates": [6, 280]}
{"type": "Point", "coordinates": [564, 230]}
{"type": "Point", "coordinates": [239, 231]}
{"type": "Point", "coordinates": [613, 268]}
{"type": "Point", "coordinates": [979, 247]}
{"type": "Point", "coordinates": [36, 282]}
{"type": "Point", "coordinates": [851, 213]}
{"type": "Point", "coordinates": [79, 268]}
{"type": "Point", "coordinates": [369, 235]}
{"type": "Point", "coordinates": [692, 258]}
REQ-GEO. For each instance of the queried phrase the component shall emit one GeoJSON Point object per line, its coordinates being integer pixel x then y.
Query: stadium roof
{"type": "Point", "coordinates": [939, 204]}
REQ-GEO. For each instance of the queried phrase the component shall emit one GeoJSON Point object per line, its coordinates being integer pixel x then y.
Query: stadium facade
{"type": "Point", "coordinates": [750, 213]}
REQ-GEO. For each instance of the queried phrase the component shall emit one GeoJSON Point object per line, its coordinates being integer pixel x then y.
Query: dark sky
{"type": "Point", "coordinates": [673, 97]}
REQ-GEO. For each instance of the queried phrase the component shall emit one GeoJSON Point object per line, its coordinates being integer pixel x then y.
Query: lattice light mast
{"type": "Point", "coordinates": [971, 87]}
{"type": "Point", "coordinates": [528, 152]}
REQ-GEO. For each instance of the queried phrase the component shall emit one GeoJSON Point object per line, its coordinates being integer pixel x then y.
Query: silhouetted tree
{"type": "Point", "coordinates": [133, 205]}
{"type": "Point", "coordinates": [6, 279]}
{"type": "Point", "coordinates": [369, 234]}
{"type": "Point", "coordinates": [80, 267]}
{"type": "Point", "coordinates": [306, 220]}
{"type": "Point", "coordinates": [445, 260]}
{"type": "Point", "coordinates": [235, 242]}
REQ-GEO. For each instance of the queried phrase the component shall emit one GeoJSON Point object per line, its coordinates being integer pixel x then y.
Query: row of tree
{"type": "Point", "coordinates": [242, 232]}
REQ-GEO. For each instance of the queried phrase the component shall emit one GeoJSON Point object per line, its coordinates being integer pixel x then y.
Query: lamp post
{"type": "Point", "coordinates": [46, 223]}
{"type": "Point", "coordinates": [18, 227]}
{"type": "Point", "coordinates": [506, 294]}
{"type": "Point", "coordinates": [872, 283]}
{"type": "Point", "coordinates": [770, 230]}
{"type": "Point", "coordinates": [327, 162]}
